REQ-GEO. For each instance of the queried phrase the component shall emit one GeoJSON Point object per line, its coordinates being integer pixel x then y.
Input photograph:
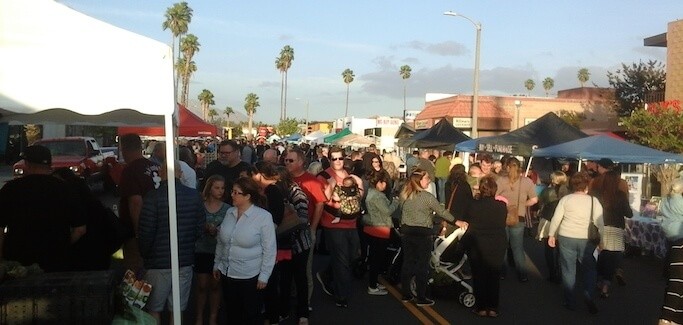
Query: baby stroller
{"type": "Point", "coordinates": [448, 258]}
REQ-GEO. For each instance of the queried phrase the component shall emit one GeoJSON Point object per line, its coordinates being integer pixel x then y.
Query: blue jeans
{"type": "Point", "coordinates": [571, 251]}
{"type": "Point", "coordinates": [344, 246]}
{"type": "Point", "coordinates": [441, 189]}
{"type": "Point", "coordinates": [515, 236]}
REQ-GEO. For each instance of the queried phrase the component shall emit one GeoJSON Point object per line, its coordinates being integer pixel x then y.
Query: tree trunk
{"type": "Point", "coordinates": [284, 111]}
{"type": "Point", "coordinates": [346, 112]}
{"type": "Point", "coordinates": [282, 94]}
{"type": "Point", "coordinates": [666, 174]}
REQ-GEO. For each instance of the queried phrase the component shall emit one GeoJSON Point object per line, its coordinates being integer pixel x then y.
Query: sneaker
{"type": "Point", "coordinates": [323, 284]}
{"type": "Point", "coordinates": [406, 298]}
{"type": "Point", "coordinates": [341, 303]}
{"type": "Point", "coordinates": [381, 286]}
{"type": "Point", "coordinates": [377, 291]}
{"type": "Point", "coordinates": [424, 302]}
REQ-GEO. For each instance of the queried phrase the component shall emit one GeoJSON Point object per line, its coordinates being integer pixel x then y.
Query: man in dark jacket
{"type": "Point", "coordinates": [155, 240]}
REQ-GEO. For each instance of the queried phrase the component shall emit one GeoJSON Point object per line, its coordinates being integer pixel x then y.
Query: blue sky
{"type": "Point", "coordinates": [520, 40]}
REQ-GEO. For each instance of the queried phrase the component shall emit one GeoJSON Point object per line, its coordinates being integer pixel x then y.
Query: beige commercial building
{"type": "Point", "coordinates": [501, 114]}
{"type": "Point", "coordinates": [673, 41]}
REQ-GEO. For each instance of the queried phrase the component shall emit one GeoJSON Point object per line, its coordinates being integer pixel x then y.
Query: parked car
{"type": "Point", "coordinates": [80, 154]}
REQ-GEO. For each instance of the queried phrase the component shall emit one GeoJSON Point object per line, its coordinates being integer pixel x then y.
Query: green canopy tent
{"type": "Point", "coordinates": [334, 137]}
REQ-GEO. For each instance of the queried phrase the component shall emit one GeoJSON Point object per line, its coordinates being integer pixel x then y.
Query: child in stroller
{"type": "Point", "coordinates": [447, 257]}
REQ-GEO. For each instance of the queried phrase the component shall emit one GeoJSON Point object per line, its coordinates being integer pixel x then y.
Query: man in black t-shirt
{"type": "Point", "coordinates": [138, 177]}
{"type": "Point", "coordinates": [42, 215]}
{"type": "Point", "coordinates": [229, 165]}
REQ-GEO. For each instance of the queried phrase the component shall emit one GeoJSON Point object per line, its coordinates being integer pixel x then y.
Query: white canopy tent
{"type": "Point", "coordinates": [63, 67]}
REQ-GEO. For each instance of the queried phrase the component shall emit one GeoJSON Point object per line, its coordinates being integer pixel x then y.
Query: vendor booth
{"type": "Point", "coordinates": [443, 135]}
{"type": "Point", "coordinates": [189, 125]}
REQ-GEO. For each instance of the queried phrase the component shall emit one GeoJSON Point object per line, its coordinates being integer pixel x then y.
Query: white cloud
{"type": "Point", "coordinates": [448, 48]}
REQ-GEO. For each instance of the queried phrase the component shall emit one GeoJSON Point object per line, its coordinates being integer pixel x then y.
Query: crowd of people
{"type": "Point", "coordinates": [250, 220]}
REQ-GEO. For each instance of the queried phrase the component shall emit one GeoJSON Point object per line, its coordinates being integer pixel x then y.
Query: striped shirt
{"type": "Point", "coordinates": [419, 210]}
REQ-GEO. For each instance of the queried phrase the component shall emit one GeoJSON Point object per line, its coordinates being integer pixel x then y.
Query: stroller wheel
{"type": "Point", "coordinates": [413, 287]}
{"type": "Point", "coordinates": [467, 299]}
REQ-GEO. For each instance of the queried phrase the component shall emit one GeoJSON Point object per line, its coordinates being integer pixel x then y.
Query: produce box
{"type": "Point", "coordinates": [59, 298]}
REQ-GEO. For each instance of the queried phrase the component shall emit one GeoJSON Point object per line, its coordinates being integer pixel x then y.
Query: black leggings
{"type": "Point", "coordinates": [416, 253]}
{"type": "Point", "coordinates": [279, 289]}
{"type": "Point", "coordinates": [377, 258]}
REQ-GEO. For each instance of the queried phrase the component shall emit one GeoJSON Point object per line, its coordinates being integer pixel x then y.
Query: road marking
{"type": "Point", "coordinates": [413, 309]}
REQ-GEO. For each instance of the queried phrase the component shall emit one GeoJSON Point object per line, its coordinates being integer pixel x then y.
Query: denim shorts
{"type": "Point", "coordinates": [160, 279]}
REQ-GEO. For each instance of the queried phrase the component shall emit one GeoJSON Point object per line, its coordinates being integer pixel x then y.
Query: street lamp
{"type": "Point", "coordinates": [518, 104]}
{"type": "Point", "coordinates": [305, 131]}
{"type": "Point", "coordinates": [475, 95]}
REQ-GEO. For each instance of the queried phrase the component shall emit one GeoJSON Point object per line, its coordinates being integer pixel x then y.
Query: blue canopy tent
{"type": "Point", "coordinates": [602, 146]}
{"type": "Point", "coordinates": [293, 138]}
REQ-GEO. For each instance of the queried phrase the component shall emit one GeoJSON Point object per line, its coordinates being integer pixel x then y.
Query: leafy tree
{"type": "Point", "coordinates": [288, 127]}
{"type": "Point", "coordinates": [583, 75]}
{"type": "Point", "coordinates": [206, 99]}
{"type": "Point", "coordinates": [659, 126]}
{"type": "Point", "coordinates": [348, 76]}
{"type": "Point", "coordinates": [572, 118]}
{"type": "Point", "coordinates": [178, 18]}
{"type": "Point", "coordinates": [228, 111]}
{"type": "Point", "coordinates": [632, 83]}
{"type": "Point", "coordinates": [405, 75]}
{"type": "Point", "coordinates": [188, 46]}
{"type": "Point", "coordinates": [212, 114]}
{"type": "Point", "coordinates": [548, 84]}
{"type": "Point", "coordinates": [251, 103]}
{"type": "Point", "coordinates": [529, 84]}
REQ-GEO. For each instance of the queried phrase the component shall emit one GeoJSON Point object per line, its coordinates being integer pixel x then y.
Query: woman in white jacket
{"type": "Point", "coordinates": [569, 226]}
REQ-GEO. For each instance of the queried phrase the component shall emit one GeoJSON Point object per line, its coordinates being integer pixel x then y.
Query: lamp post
{"type": "Point", "coordinates": [518, 104]}
{"type": "Point", "coordinates": [475, 92]}
{"type": "Point", "coordinates": [307, 102]}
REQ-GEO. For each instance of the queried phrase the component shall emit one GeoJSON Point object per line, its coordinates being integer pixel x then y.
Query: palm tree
{"type": "Point", "coordinates": [186, 70]}
{"type": "Point", "coordinates": [228, 111]}
{"type": "Point", "coordinates": [250, 105]}
{"type": "Point", "coordinates": [405, 74]}
{"type": "Point", "coordinates": [206, 98]}
{"type": "Point", "coordinates": [348, 76]}
{"type": "Point", "coordinates": [178, 18]}
{"type": "Point", "coordinates": [280, 65]}
{"type": "Point", "coordinates": [286, 56]}
{"type": "Point", "coordinates": [212, 113]}
{"type": "Point", "coordinates": [188, 46]}
{"type": "Point", "coordinates": [529, 84]}
{"type": "Point", "coordinates": [583, 76]}
{"type": "Point", "coordinates": [548, 83]}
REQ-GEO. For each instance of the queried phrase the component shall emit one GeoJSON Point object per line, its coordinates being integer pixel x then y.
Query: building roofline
{"type": "Point", "coordinates": [657, 40]}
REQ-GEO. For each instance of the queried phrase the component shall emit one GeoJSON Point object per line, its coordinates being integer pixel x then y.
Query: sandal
{"type": "Point", "coordinates": [492, 313]}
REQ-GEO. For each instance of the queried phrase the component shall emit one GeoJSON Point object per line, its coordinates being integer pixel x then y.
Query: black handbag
{"type": "Point", "coordinates": [593, 232]}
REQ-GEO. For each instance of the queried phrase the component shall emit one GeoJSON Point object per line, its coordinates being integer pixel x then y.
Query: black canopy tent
{"type": "Point", "coordinates": [442, 135]}
{"type": "Point", "coordinates": [548, 130]}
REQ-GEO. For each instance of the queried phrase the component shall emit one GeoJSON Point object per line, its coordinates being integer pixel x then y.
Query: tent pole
{"type": "Point", "coordinates": [578, 168]}
{"type": "Point", "coordinates": [528, 166]}
{"type": "Point", "coordinates": [173, 217]}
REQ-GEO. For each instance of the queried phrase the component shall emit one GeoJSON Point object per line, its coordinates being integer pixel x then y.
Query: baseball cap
{"type": "Point", "coordinates": [605, 163]}
{"type": "Point", "coordinates": [37, 154]}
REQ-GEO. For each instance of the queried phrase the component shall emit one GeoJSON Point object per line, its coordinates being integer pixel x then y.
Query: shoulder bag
{"type": "Point", "coordinates": [593, 232]}
{"type": "Point", "coordinates": [512, 218]}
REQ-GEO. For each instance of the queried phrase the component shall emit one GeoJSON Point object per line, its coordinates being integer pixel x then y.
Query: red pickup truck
{"type": "Point", "coordinates": [80, 154]}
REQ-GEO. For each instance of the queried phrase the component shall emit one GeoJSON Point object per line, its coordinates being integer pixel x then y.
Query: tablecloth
{"type": "Point", "coordinates": [647, 234]}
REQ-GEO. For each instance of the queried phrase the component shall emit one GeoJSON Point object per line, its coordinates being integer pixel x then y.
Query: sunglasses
{"type": "Point", "coordinates": [289, 161]}
{"type": "Point", "coordinates": [235, 192]}
{"type": "Point", "coordinates": [337, 159]}
{"type": "Point", "coordinates": [225, 153]}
